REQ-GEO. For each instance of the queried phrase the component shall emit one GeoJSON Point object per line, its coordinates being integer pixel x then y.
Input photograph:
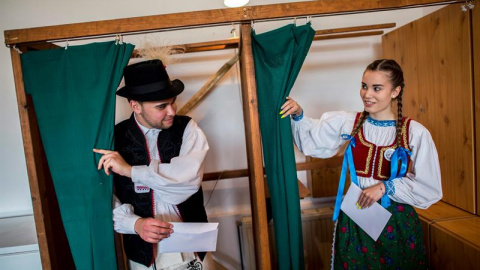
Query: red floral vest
{"type": "Point", "coordinates": [370, 159]}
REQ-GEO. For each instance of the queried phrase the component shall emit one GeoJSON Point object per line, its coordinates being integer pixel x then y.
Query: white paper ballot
{"type": "Point", "coordinates": [190, 237]}
{"type": "Point", "coordinates": [372, 219]}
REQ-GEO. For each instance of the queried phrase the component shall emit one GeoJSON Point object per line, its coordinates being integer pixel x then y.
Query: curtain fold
{"type": "Point", "coordinates": [73, 92]}
{"type": "Point", "coordinates": [279, 56]}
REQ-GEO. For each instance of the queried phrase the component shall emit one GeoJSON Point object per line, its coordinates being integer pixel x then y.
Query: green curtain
{"type": "Point", "coordinates": [73, 92]}
{"type": "Point", "coordinates": [278, 57]}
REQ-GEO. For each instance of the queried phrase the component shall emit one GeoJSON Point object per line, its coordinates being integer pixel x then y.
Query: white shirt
{"type": "Point", "coordinates": [421, 187]}
{"type": "Point", "coordinates": [172, 183]}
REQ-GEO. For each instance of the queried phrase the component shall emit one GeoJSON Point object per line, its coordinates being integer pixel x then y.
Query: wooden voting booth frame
{"type": "Point", "coordinates": [53, 246]}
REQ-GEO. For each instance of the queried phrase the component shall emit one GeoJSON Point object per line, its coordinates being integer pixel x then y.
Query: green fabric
{"type": "Point", "coordinates": [73, 93]}
{"type": "Point", "coordinates": [278, 57]}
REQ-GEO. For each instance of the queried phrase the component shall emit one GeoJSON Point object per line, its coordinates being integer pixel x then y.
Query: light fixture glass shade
{"type": "Point", "coordinates": [235, 3]}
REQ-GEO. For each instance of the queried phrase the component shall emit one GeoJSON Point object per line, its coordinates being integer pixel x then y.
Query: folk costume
{"type": "Point", "coordinates": [400, 245]}
{"type": "Point", "coordinates": [167, 171]}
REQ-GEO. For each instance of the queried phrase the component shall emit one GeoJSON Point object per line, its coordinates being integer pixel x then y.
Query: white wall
{"type": "Point", "coordinates": [329, 80]}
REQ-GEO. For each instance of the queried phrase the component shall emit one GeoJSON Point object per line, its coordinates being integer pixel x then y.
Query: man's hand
{"type": "Point", "coordinates": [371, 195]}
{"type": "Point", "coordinates": [114, 161]}
{"type": "Point", "coordinates": [152, 230]}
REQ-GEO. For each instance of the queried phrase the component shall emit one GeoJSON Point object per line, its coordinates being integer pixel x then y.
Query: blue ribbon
{"type": "Point", "coordinates": [399, 156]}
{"type": "Point", "coordinates": [347, 162]}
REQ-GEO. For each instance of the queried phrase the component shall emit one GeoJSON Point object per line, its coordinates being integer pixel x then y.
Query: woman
{"type": "Point", "coordinates": [376, 136]}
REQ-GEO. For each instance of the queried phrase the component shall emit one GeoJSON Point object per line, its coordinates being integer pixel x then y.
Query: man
{"type": "Point", "coordinates": [158, 169]}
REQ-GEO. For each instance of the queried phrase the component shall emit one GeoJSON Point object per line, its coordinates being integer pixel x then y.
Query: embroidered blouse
{"type": "Point", "coordinates": [421, 186]}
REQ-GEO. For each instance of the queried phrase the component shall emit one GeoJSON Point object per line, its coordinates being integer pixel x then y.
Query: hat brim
{"type": "Point", "coordinates": [162, 94]}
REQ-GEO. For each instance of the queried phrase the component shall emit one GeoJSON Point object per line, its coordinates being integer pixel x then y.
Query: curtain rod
{"type": "Point", "coordinates": [253, 22]}
{"type": "Point", "coordinates": [21, 37]}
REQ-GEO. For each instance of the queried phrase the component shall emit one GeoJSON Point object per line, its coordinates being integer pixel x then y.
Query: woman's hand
{"type": "Point", "coordinates": [290, 107]}
{"type": "Point", "coordinates": [371, 195]}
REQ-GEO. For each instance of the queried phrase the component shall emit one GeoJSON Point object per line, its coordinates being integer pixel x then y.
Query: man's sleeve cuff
{"type": "Point", "coordinates": [129, 222]}
{"type": "Point", "coordinates": [139, 172]}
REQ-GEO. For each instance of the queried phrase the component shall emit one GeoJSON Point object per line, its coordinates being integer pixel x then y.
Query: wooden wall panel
{"type": "Point", "coordinates": [398, 45]}
{"type": "Point", "coordinates": [455, 244]}
{"type": "Point", "coordinates": [444, 72]}
{"type": "Point", "coordinates": [438, 212]}
{"type": "Point", "coordinates": [435, 53]}
{"type": "Point", "coordinates": [476, 85]}
{"type": "Point", "coordinates": [325, 179]}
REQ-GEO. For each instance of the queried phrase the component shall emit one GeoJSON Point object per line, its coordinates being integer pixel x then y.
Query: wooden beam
{"type": "Point", "coordinates": [315, 165]}
{"type": "Point", "coordinates": [349, 35]}
{"type": "Point", "coordinates": [254, 150]}
{"type": "Point", "coordinates": [206, 17]}
{"type": "Point", "coordinates": [355, 29]}
{"type": "Point", "coordinates": [212, 45]}
{"type": "Point", "coordinates": [200, 94]}
{"type": "Point", "coordinates": [232, 43]}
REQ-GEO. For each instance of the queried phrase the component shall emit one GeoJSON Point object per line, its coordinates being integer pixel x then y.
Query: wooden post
{"type": "Point", "coordinates": [30, 159]}
{"type": "Point", "coordinates": [52, 241]}
{"type": "Point", "coordinates": [254, 150]}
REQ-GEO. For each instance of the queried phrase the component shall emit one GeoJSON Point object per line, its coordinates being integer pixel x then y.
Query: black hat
{"type": "Point", "coordinates": [149, 81]}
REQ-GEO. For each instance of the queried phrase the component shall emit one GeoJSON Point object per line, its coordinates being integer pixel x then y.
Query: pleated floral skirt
{"type": "Point", "coordinates": [399, 246]}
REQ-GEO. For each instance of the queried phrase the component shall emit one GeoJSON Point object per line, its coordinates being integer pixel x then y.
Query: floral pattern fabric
{"type": "Point", "coordinates": [399, 246]}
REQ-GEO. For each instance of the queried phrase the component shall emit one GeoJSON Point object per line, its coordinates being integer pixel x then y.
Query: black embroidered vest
{"type": "Point", "coordinates": [131, 144]}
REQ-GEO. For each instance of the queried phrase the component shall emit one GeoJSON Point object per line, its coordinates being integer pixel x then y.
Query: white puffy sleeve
{"type": "Point", "coordinates": [178, 180]}
{"type": "Point", "coordinates": [422, 186]}
{"type": "Point", "coordinates": [123, 217]}
{"type": "Point", "coordinates": [321, 138]}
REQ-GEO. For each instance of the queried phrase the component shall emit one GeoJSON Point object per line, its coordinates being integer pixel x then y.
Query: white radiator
{"type": "Point", "coordinates": [317, 226]}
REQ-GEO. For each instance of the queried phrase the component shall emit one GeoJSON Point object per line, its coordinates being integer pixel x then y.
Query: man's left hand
{"type": "Point", "coordinates": [112, 160]}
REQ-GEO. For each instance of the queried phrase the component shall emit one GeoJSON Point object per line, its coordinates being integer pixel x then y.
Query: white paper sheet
{"type": "Point", "coordinates": [191, 237]}
{"type": "Point", "coordinates": [372, 219]}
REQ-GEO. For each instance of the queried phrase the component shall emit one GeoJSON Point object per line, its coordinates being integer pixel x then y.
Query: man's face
{"type": "Point", "coordinates": [155, 114]}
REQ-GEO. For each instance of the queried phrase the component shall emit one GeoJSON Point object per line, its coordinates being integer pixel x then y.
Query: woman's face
{"type": "Point", "coordinates": [377, 93]}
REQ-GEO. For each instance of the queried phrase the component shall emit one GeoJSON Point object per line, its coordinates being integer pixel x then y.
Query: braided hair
{"type": "Point", "coordinates": [395, 74]}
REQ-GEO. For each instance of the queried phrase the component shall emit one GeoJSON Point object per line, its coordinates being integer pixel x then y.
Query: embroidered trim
{"type": "Point", "coordinates": [194, 265]}
{"type": "Point", "coordinates": [380, 162]}
{"type": "Point", "coordinates": [403, 143]}
{"type": "Point", "coordinates": [381, 123]}
{"type": "Point", "coordinates": [332, 258]}
{"type": "Point", "coordinates": [297, 117]}
{"type": "Point", "coordinates": [369, 156]}
{"type": "Point", "coordinates": [389, 187]}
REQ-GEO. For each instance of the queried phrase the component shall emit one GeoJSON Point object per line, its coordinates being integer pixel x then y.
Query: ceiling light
{"type": "Point", "coordinates": [235, 3]}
